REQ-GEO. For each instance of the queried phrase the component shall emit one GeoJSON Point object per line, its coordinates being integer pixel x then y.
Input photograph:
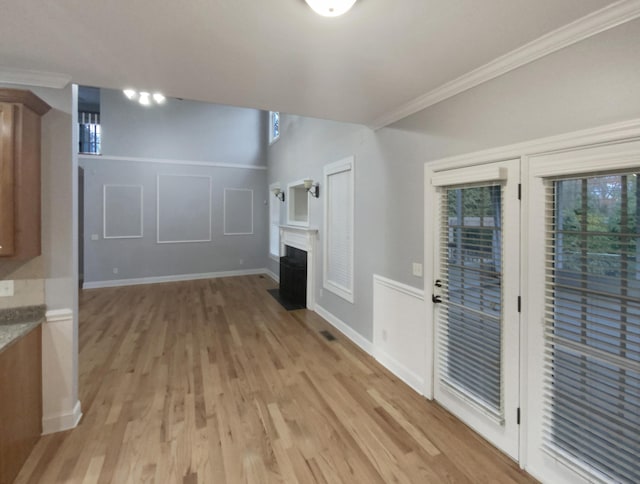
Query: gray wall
{"type": "Point", "coordinates": [177, 130]}
{"type": "Point", "coordinates": [182, 130]}
{"type": "Point", "coordinates": [589, 84]}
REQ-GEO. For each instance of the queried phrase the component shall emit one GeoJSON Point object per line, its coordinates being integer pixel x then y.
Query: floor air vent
{"type": "Point", "coordinates": [327, 335]}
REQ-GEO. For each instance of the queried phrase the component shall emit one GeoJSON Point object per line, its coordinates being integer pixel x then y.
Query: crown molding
{"type": "Point", "coordinates": [592, 24]}
{"type": "Point", "coordinates": [25, 77]}
{"type": "Point", "coordinates": [611, 133]}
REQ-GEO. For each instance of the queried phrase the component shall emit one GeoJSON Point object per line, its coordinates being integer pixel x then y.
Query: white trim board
{"type": "Point", "coordinates": [166, 161]}
{"type": "Point", "coordinates": [59, 423]}
{"type": "Point", "coordinates": [24, 77]}
{"type": "Point", "coordinates": [592, 24]}
{"type": "Point", "coordinates": [360, 341]}
{"type": "Point", "coordinates": [272, 275]}
{"type": "Point", "coordinates": [176, 278]}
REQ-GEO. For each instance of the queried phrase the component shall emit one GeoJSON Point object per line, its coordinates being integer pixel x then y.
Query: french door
{"type": "Point", "coordinates": [476, 297]}
{"type": "Point", "coordinates": [583, 271]}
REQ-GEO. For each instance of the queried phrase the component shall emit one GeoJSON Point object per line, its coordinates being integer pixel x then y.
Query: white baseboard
{"type": "Point", "coordinates": [348, 331]}
{"type": "Point", "coordinates": [272, 275]}
{"type": "Point", "coordinates": [411, 378]}
{"type": "Point", "coordinates": [59, 423]}
{"type": "Point", "coordinates": [176, 278]}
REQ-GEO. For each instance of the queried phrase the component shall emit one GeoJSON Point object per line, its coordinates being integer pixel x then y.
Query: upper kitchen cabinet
{"type": "Point", "coordinates": [20, 113]}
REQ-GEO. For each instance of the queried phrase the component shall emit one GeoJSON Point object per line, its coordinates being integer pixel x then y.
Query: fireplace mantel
{"type": "Point", "coordinates": [303, 238]}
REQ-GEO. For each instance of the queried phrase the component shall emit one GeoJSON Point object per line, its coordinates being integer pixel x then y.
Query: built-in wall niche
{"type": "Point", "coordinates": [298, 204]}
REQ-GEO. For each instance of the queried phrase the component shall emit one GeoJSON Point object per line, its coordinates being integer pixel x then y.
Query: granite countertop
{"type": "Point", "coordinates": [16, 322]}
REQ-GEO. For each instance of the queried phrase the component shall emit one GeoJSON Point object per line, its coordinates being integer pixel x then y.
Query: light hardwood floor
{"type": "Point", "coordinates": [214, 382]}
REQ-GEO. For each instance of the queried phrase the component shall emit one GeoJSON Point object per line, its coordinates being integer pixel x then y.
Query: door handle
{"type": "Point", "coordinates": [436, 299]}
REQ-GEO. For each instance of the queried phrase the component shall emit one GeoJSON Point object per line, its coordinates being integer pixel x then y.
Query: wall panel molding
{"type": "Point", "coordinates": [181, 218]}
{"type": "Point", "coordinates": [121, 213]}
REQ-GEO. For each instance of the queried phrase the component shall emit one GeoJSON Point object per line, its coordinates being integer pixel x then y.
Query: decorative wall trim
{"type": "Point", "coordinates": [59, 423]}
{"type": "Point", "coordinates": [58, 315]}
{"type": "Point", "coordinates": [104, 212]}
{"type": "Point", "coordinates": [166, 161]}
{"type": "Point", "coordinates": [400, 342]}
{"type": "Point", "coordinates": [224, 210]}
{"type": "Point", "coordinates": [592, 24]}
{"type": "Point", "coordinates": [345, 329]}
{"type": "Point", "coordinates": [400, 287]}
{"type": "Point", "coordinates": [158, 176]}
{"type": "Point", "coordinates": [25, 77]}
{"type": "Point", "coordinates": [592, 136]}
{"type": "Point", "coordinates": [175, 278]}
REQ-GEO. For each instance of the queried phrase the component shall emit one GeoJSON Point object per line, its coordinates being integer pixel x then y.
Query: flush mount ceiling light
{"type": "Point", "coordinates": [143, 97]}
{"type": "Point", "coordinates": [330, 8]}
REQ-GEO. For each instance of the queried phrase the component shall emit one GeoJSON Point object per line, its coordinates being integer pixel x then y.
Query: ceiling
{"type": "Point", "coordinates": [275, 54]}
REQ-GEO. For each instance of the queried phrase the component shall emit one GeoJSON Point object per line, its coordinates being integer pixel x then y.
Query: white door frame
{"type": "Point", "coordinates": [612, 133]}
{"type": "Point", "coordinates": [503, 433]}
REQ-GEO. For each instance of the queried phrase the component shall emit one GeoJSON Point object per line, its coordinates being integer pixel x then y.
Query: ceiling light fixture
{"type": "Point", "coordinates": [330, 8]}
{"type": "Point", "coordinates": [144, 98]}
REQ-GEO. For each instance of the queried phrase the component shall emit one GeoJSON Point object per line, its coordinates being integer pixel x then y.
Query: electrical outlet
{"type": "Point", "coordinates": [95, 237]}
{"type": "Point", "coordinates": [115, 270]}
{"type": "Point", "coordinates": [241, 261]}
{"type": "Point", "coordinates": [384, 335]}
{"type": "Point", "coordinates": [6, 288]}
{"type": "Point", "coordinates": [417, 269]}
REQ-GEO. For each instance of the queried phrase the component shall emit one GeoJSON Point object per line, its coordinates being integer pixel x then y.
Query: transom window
{"type": "Point", "coordinates": [274, 126]}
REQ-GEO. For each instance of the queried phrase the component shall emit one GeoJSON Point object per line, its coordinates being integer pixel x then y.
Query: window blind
{"type": "Point", "coordinates": [592, 324]}
{"type": "Point", "coordinates": [470, 319]}
{"type": "Point", "coordinates": [339, 229]}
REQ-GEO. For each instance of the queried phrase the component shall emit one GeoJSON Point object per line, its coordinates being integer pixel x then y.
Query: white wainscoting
{"type": "Point", "coordinates": [400, 341]}
{"type": "Point", "coordinates": [60, 412]}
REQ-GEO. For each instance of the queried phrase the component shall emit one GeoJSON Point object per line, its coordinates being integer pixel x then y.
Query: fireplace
{"type": "Point", "coordinates": [303, 239]}
{"type": "Point", "coordinates": [293, 276]}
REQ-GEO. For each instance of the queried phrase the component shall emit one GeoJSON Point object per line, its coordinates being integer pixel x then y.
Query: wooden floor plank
{"type": "Point", "coordinates": [212, 381]}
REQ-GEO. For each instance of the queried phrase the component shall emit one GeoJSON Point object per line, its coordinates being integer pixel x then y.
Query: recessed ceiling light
{"type": "Point", "coordinates": [159, 98]}
{"type": "Point", "coordinates": [130, 93]}
{"type": "Point", "coordinates": [145, 98]}
{"type": "Point", "coordinates": [330, 8]}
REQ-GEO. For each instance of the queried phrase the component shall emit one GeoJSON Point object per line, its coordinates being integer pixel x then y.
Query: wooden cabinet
{"type": "Point", "coordinates": [20, 223]}
{"type": "Point", "coordinates": [20, 402]}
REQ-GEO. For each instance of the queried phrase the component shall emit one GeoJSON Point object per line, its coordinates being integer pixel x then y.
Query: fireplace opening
{"type": "Point", "coordinates": [293, 278]}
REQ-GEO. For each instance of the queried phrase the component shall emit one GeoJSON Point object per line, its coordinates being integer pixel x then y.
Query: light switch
{"type": "Point", "coordinates": [95, 236]}
{"type": "Point", "coordinates": [417, 269]}
{"type": "Point", "coordinates": [6, 288]}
